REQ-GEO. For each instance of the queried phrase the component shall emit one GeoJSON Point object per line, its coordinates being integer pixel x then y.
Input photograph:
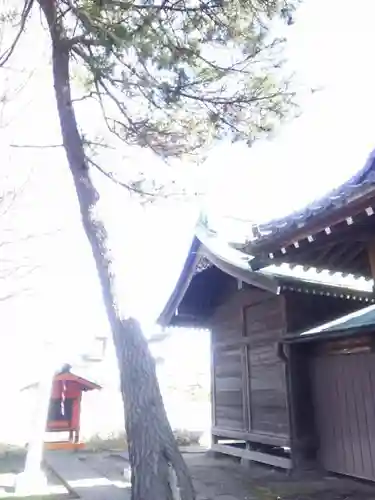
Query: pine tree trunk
{"type": "Point", "coordinates": [153, 452]}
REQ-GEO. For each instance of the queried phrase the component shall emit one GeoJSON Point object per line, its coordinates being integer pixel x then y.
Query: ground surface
{"type": "Point", "coordinates": [12, 463]}
{"type": "Point", "coordinates": [105, 476]}
{"type": "Point", "coordinates": [225, 479]}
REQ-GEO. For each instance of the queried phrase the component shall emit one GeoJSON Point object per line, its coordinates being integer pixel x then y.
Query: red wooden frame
{"type": "Point", "coordinates": [67, 385]}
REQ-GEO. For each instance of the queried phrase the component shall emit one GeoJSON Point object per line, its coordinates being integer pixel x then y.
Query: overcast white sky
{"type": "Point", "coordinates": [330, 45]}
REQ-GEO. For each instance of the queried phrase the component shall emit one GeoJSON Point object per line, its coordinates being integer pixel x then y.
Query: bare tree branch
{"type": "Point", "coordinates": [4, 58]}
{"type": "Point", "coordinates": [132, 188]}
{"type": "Point", "coordinates": [111, 176]}
{"type": "Point", "coordinates": [36, 146]}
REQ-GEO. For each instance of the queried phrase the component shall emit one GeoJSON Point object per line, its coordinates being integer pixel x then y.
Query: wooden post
{"type": "Point", "coordinates": [371, 257]}
{"type": "Point", "coordinates": [32, 479]}
{"type": "Point", "coordinates": [301, 410]}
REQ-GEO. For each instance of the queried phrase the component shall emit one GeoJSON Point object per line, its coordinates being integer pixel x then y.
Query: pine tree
{"type": "Point", "coordinates": [173, 76]}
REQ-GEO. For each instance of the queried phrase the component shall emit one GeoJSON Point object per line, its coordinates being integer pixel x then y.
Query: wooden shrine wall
{"type": "Point", "coordinates": [264, 327]}
{"type": "Point", "coordinates": [249, 398]}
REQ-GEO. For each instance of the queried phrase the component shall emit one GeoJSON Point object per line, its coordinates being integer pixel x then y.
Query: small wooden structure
{"type": "Point", "coordinates": [65, 407]}
{"type": "Point", "coordinates": [261, 409]}
{"type": "Point", "coordinates": [331, 367]}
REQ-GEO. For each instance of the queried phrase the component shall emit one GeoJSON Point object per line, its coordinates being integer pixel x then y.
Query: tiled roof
{"type": "Point", "coordinates": [200, 258]}
{"type": "Point", "coordinates": [360, 184]}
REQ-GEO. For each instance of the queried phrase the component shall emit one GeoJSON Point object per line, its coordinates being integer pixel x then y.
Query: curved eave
{"type": "Point", "coordinates": [203, 246]}
{"type": "Point", "coordinates": [182, 284]}
{"type": "Point", "coordinates": [234, 263]}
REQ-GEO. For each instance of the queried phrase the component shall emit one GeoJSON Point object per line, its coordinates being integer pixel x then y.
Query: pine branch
{"type": "Point", "coordinates": [165, 6]}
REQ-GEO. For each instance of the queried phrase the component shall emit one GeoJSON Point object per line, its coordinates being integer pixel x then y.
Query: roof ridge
{"type": "Point", "coordinates": [365, 176]}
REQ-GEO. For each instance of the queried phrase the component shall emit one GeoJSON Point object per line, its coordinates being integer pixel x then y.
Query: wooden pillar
{"type": "Point", "coordinates": [213, 387]}
{"type": "Point", "coordinates": [301, 409]}
{"type": "Point", "coordinates": [371, 258]}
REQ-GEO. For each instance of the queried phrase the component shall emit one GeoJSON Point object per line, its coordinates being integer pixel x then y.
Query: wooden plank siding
{"type": "Point", "coordinates": [304, 311]}
{"type": "Point", "coordinates": [264, 326]}
{"type": "Point", "coordinates": [249, 387]}
{"type": "Point", "coordinates": [344, 387]}
{"type": "Point", "coordinates": [229, 398]}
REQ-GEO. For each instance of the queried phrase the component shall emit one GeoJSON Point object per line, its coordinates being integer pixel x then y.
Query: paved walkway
{"type": "Point", "coordinates": [83, 480]}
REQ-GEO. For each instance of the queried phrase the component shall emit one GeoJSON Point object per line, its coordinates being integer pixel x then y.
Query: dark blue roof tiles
{"type": "Point", "coordinates": [335, 198]}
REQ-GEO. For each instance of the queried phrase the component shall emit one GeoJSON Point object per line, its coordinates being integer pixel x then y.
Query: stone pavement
{"type": "Point", "coordinates": [83, 480]}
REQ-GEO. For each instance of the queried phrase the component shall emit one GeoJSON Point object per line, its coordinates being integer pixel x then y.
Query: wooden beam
{"type": "Point", "coordinates": [213, 382]}
{"type": "Point", "coordinates": [371, 257]}
{"type": "Point", "coordinates": [322, 243]}
{"type": "Point", "coordinates": [354, 208]}
{"type": "Point", "coordinates": [325, 254]}
{"type": "Point", "coordinates": [245, 275]}
{"type": "Point", "coordinates": [326, 289]}
{"type": "Point", "coordinates": [246, 403]}
{"type": "Point", "coordinates": [226, 344]}
{"type": "Point", "coordinates": [335, 256]}
{"type": "Point", "coordinates": [63, 445]}
{"type": "Point", "coordinates": [255, 456]}
{"type": "Point", "coordinates": [251, 436]}
{"type": "Point", "coordinates": [345, 264]}
{"type": "Point", "coordinates": [351, 255]}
